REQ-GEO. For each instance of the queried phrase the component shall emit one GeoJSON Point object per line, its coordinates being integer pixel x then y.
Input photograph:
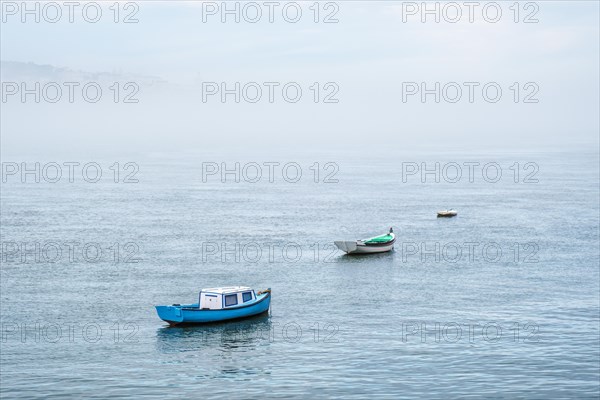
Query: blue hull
{"type": "Point", "coordinates": [191, 314]}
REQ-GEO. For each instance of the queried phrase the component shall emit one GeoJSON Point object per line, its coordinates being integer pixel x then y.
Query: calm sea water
{"type": "Point", "coordinates": [502, 301]}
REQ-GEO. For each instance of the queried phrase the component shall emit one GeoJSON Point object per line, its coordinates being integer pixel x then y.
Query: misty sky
{"type": "Point", "coordinates": [367, 56]}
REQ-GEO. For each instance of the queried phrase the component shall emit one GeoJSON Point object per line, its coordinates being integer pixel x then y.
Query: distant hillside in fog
{"type": "Point", "coordinates": [21, 71]}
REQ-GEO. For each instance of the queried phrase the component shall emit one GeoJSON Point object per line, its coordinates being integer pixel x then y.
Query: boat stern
{"type": "Point", "coordinates": [346, 246]}
{"type": "Point", "coordinates": [172, 314]}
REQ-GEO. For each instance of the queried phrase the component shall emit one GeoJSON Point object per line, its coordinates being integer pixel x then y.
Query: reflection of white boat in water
{"type": "Point", "coordinates": [447, 213]}
{"type": "Point", "coordinates": [377, 244]}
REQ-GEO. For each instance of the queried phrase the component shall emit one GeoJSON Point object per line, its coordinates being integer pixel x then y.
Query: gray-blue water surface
{"type": "Point", "coordinates": [501, 301]}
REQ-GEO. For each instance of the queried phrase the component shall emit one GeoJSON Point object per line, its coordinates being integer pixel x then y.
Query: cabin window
{"type": "Point", "coordinates": [230, 300]}
{"type": "Point", "coordinates": [246, 296]}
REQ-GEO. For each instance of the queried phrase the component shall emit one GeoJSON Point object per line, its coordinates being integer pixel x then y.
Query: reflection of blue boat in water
{"type": "Point", "coordinates": [243, 333]}
{"type": "Point", "coordinates": [218, 304]}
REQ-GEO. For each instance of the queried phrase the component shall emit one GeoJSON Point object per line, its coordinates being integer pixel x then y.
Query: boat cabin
{"type": "Point", "coordinates": [225, 297]}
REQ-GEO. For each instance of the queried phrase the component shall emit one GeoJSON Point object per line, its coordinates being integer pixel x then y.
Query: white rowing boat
{"type": "Point", "coordinates": [447, 213]}
{"type": "Point", "coordinates": [377, 244]}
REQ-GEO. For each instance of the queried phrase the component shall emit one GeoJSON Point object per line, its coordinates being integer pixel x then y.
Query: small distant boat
{"type": "Point", "coordinates": [218, 304]}
{"type": "Point", "coordinates": [446, 213]}
{"type": "Point", "coordinates": [377, 244]}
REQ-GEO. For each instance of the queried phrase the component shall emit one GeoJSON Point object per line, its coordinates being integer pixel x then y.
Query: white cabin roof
{"type": "Point", "coordinates": [227, 289]}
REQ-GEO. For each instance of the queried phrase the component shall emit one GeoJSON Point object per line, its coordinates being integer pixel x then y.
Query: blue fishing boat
{"type": "Point", "coordinates": [218, 304]}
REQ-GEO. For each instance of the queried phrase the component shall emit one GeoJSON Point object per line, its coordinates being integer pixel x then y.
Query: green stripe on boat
{"type": "Point", "coordinates": [379, 239]}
